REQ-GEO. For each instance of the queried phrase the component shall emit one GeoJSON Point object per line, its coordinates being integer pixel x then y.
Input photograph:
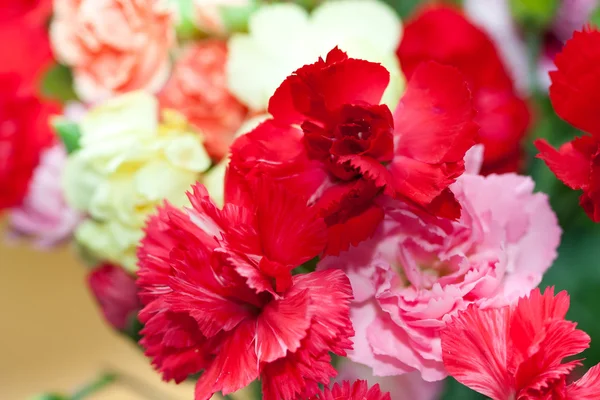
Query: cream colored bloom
{"type": "Point", "coordinates": [284, 37]}
{"type": "Point", "coordinates": [129, 162]}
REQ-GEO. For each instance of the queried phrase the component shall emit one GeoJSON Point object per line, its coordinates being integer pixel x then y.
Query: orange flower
{"type": "Point", "coordinates": [198, 89]}
{"type": "Point", "coordinates": [113, 46]}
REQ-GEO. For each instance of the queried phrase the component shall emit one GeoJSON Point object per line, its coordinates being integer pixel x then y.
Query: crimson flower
{"type": "Point", "coordinates": [517, 352]}
{"type": "Point", "coordinates": [24, 37]}
{"type": "Point", "coordinates": [116, 294]}
{"type": "Point", "coordinates": [331, 140]}
{"type": "Point", "coordinates": [24, 133]}
{"type": "Point", "coordinates": [575, 96]}
{"type": "Point", "coordinates": [444, 35]}
{"type": "Point", "coordinates": [359, 390]}
{"type": "Point", "coordinates": [220, 298]}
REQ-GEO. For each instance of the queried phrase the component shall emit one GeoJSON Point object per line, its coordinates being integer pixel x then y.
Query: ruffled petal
{"type": "Point", "coordinates": [475, 351]}
{"type": "Point", "coordinates": [575, 89]}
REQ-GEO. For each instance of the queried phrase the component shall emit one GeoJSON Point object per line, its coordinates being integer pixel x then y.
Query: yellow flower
{"type": "Point", "coordinates": [128, 163]}
{"type": "Point", "coordinates": [283, 37]}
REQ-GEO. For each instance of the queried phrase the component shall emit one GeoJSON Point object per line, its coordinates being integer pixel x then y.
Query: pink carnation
{"type": "Point", "coordinates": [44, 215]}
{"type": "Point", "coordinates": [419, 270]}
{"type": "Point", "coordinates": [407, 386]}
{"type": "Point", "coordinates": [113, 46]}
{"type": "Point", "coordinates": [198, 89]}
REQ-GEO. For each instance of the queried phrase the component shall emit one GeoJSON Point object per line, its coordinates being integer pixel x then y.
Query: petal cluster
{"type": "Point", "coordinates": [575, 95]}
{"type": "Point", "coordinates": [220, 297]}
{"type": "Point", "coordinates": [197, 88]}
{"type": "Point", "coordinates": [518, 352]}
{"type": "Point", "coordinates": [284, 37]}
{"type": "Point", "coordinates": [332, 140]}
{"type": "Point", "coordinates": [113, 46]}
{"type": "Point", "coordinates": [129, 160]}
{"type": "Point", "coordinates": [418, 269]}
{"type": "Point", "coordinates": [502, 113]}
{"type": "Point", "coordinates": [358, 390]}
{"type": "Point", "coordinates": [44, 214]}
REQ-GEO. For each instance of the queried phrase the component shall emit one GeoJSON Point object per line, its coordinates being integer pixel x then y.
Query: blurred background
{"type": "Point", "coordinates": [53, 337]}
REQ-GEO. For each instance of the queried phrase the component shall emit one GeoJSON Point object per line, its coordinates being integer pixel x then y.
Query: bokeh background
{"type": "Point", "coordinates": [53, 338]}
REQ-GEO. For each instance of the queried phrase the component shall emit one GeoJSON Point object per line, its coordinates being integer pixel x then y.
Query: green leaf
{"type": "Point", "coordinates": [534, 14]}
{"type": "Point", "coordinates": [68, 132]}
{"type": "Point", "coordinates": [50, 396]}
{"type": "Point", "coordinates": [454, 391]}
{"type": "Point", "coordinates": [595, 18]}
{"type": "Point", "coordinates": [57, 84]}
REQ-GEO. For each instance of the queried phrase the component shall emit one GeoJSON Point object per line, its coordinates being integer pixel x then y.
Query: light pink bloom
{"type": "Point", "coordinates": [407, 386]}
{"type": "Point", "coordinates": [44, 214]}
{"type": "Point", "coordinates": [113, 46]}
{"type": "Point", "coordinates": [419, 270]}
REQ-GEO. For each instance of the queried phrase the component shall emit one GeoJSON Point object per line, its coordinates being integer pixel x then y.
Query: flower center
{"type": "Point", "coordinates": [352, 133]}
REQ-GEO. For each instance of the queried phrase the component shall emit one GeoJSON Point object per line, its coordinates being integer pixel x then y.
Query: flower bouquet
{"type": "Point", "coordinates": [316, 200]}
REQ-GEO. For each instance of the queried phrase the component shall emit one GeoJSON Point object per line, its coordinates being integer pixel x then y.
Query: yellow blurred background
{"type": "Point", "coordinates": [52, 337]}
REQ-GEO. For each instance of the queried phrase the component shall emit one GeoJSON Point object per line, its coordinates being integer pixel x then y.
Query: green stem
{"type": "Point", "coordinates": [534, 47]}
{"type": "Point", "coordinates": [95, 386]}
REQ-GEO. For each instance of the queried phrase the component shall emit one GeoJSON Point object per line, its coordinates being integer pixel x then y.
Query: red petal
{"type": "Point", "coordinates": [173, 342]}
{"type": "Point", "coordinates": [350, 214]}
{"type": "Point", "coordinates": [353, 230]}
{"type": "Point", "coordinates": [422, 183]}
{"type": "Point", "coordinates": [569, 164]}
{"type": "Point", "coordinates": [468, 48]}
{"type": "Point", "coordinates": [359, 390]}
{"type": "Point", "coordinates": [434, 120]}
{"type": "Point", "coordinates": [116, 293]}
{"type": "Point", "coordinates": [502, 115]}
{"type": "Point", "coordinates": [298, 375]}
{"type": "Point", "coordinates": [586, 388]}
{"type": "Point", "coordinates": [590, 199]}
{"type": "Point", "coordinates": [544, 366]}
{"type": "Point", "coordinates": [290, 231]}
{"type": "Point", "coordinates": [281, 326]}
{"type": "Point", "coordinates": [276, 151]}
{"type": "Point", "coordinates": [445, 206]}
{"type": "Point", "coordinates": [475, 351]}
{"type": "Point", "coordinates": [325, 86]}
{"type": "Point", "coordinates": [234, 367]}
{"type": "Point", "coordinates": [575, 89]}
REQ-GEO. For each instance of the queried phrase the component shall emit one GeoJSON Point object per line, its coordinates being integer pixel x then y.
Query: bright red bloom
{"type": "Point", "coordinates": [220, 298]}
{"type": "Point", "coordinates": [331, 140]}
{"type": "Point", "coordinates": [24, 37]}
{"type": "Point", "coordinates": [575, 96]}
{"type": "Point", "coordinates": [359, 390]}
{"type": "Point", "coordinates": [116, 294]}
{"type": "Point", "coordinates": [24, 133]}
{"type": "Point", "coordinates": [517, 353]}
{"type": "Point", "coordinates": [444, 35]}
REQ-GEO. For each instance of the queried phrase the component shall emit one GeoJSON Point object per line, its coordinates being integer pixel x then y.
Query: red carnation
{"type": "Point", "coordinates": [24, 37]}
{"type": "Point", "coordinates": [24, 133]}
{"type": "Point", "coordinates": [359, 390]}
{"type": "Point", "coordinates": [220, 298]}
{"type": "Point", "coordinates": [517, 353]}
{"type": "Point", "coordinates": [116, 293]}
{"type": "Point", "coordinates": [444, 35]}
{"type": "Point", "coordinates": [575, 96]}
{"type": "Point", "coordinates": [332, 141]}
